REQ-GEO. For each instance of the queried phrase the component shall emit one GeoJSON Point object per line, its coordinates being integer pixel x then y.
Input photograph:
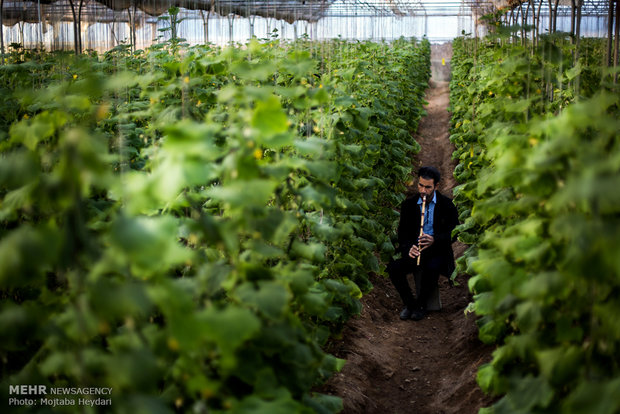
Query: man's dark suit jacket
{"type": "Point", "coordinates": [445, 219]}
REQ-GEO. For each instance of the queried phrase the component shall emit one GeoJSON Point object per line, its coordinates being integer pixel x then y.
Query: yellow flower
{"type": "Point", "coordinates": [207, 393]}
{"type": "Point", "coordinates": [258, 153]}
{"type": "Point", "coordinates": [104, 327]}
{"type": "Point", "coordinates": [173, 344]}
{"type": "Point", "coordinates": [193, 239]}
{"type": "Point", "coordinates": [75, 76]}
{"type": "Point", "coordinates": [26, 116]}
{"type": "Point", "coordinates": [102, 111]}
{"type": "Point", "coordinates": [186, 79]}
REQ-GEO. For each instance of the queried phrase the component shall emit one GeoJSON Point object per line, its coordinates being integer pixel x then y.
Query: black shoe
{"type": "Point", "coordinates": [419, 314]}
{"type": "Point", "coordinates": [405, 314]}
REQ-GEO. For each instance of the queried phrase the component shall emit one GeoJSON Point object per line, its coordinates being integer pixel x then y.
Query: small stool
{"type": "Point", "coordinates": [434, 300]}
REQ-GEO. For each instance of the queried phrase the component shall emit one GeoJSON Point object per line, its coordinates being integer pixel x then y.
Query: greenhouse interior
{"type": "Point", "coordinates": [310, 206]}
{"type": "Point", "coordinates": [102, 25]}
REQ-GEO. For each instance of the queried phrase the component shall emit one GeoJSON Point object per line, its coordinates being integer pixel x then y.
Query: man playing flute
{"type": "Point", "coordinates": [428, 236]}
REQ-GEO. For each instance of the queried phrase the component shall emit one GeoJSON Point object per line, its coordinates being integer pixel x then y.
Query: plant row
{"type": "Point", "coordinates": [537, 139]}
{"type": "Point", "coordinates": [190, 225]}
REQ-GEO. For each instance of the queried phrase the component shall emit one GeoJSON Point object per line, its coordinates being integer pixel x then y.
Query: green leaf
{"type": "Point", "coordinates": [148, 244]}
{"type": "Point", "coordinates": [354, 290]}
{"type": "Point", "coordinates": [299, 64]}
{"type": "Point", "coordinates": [17, 168]}
{"type": "Point", "coordinates": [25, 253]}
{"type": "Point", "coordinates": [269, 118]}
{"type": "Point", "coordinates": [41, 127]}
{"type": "Point", "coordinates": [487, 378]}
{"type": "Point", "coordinates": [299, 281]}
{"type": "Point", "coordinates": [600, 397]}
{"type": "Point", "coordinates": [229, 328]}
{"type": "Point", "coordinates": [323, 170]}
{"type": "Point", "coordinates": [310, 146]}
{"type": "Point", "coordinates": [121, 81]}
{"type": "Point", "coordinates": [315, 302]}
{"type": "Point", "coordinates": [311, 251]}
{"type": "Point", "coordinates": [573, 72]}
{"type": "Point", "coordinates": [192, 139]}
{"type": "Point", "coordinates": [19, 324]}
{"type": "Point", "coordinates": [323, 404]}
{"type": "Point", "coordinates": [530, 392]}
{"type": "Point", "coordinates": [529, 315]}
{"type": "Point", "coordinates": [260, 70]}
{"type": "Point", "coordinates": [267, 297]}
{"type": "Point", "coordinates": [282, 404]}
{"type": "Point", "coordinates": [240, 194]}
{"type": "Point", "coordinates": [560, 365]}
{"type": "Point", "coordinates": [116, 300]}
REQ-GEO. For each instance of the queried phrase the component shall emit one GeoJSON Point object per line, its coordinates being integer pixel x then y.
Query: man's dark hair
{"type": "Point", "coordinates": [430, 173]}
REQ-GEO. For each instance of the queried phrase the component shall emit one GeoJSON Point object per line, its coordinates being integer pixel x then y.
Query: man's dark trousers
{"type": "Point", "coordinates": [430, 269]}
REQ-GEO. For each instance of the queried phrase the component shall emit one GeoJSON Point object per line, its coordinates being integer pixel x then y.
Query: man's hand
{"type": "Point", "coordinates": [414, 251]}
{"type": "Point", "coordinates": [425, 241]}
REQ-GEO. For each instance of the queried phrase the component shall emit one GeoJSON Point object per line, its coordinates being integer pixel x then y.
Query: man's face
{"type": "Point", "coordinates": [426, 187]}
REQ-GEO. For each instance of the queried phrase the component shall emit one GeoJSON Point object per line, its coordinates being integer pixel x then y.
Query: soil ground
{"type": "Point", "coordinates": [424, 367]}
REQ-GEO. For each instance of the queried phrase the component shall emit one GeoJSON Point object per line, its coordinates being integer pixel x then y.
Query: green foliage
{"type": "Point", "coordinates": [189, 225]}
{"type": "Point", "coordinates": [539, 173]}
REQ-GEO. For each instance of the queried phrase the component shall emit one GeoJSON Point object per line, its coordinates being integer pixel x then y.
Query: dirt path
{"type": "Point", "coordinates": [425, 367]}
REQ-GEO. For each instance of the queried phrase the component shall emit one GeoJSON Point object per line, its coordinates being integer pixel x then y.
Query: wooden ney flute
{"type": "Point", "coordinates": [421, 226]}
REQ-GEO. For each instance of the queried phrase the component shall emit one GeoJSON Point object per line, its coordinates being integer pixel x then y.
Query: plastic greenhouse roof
{"type": "Point", "coordinates": [14, 11]}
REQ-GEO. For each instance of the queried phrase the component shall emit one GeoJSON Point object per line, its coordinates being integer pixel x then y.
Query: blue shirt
{"type": "Point", "coordinates": [429, 214]}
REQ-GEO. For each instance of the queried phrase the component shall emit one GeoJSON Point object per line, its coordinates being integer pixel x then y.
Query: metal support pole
{"type": "Point", "coordinates": [1, 34]}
